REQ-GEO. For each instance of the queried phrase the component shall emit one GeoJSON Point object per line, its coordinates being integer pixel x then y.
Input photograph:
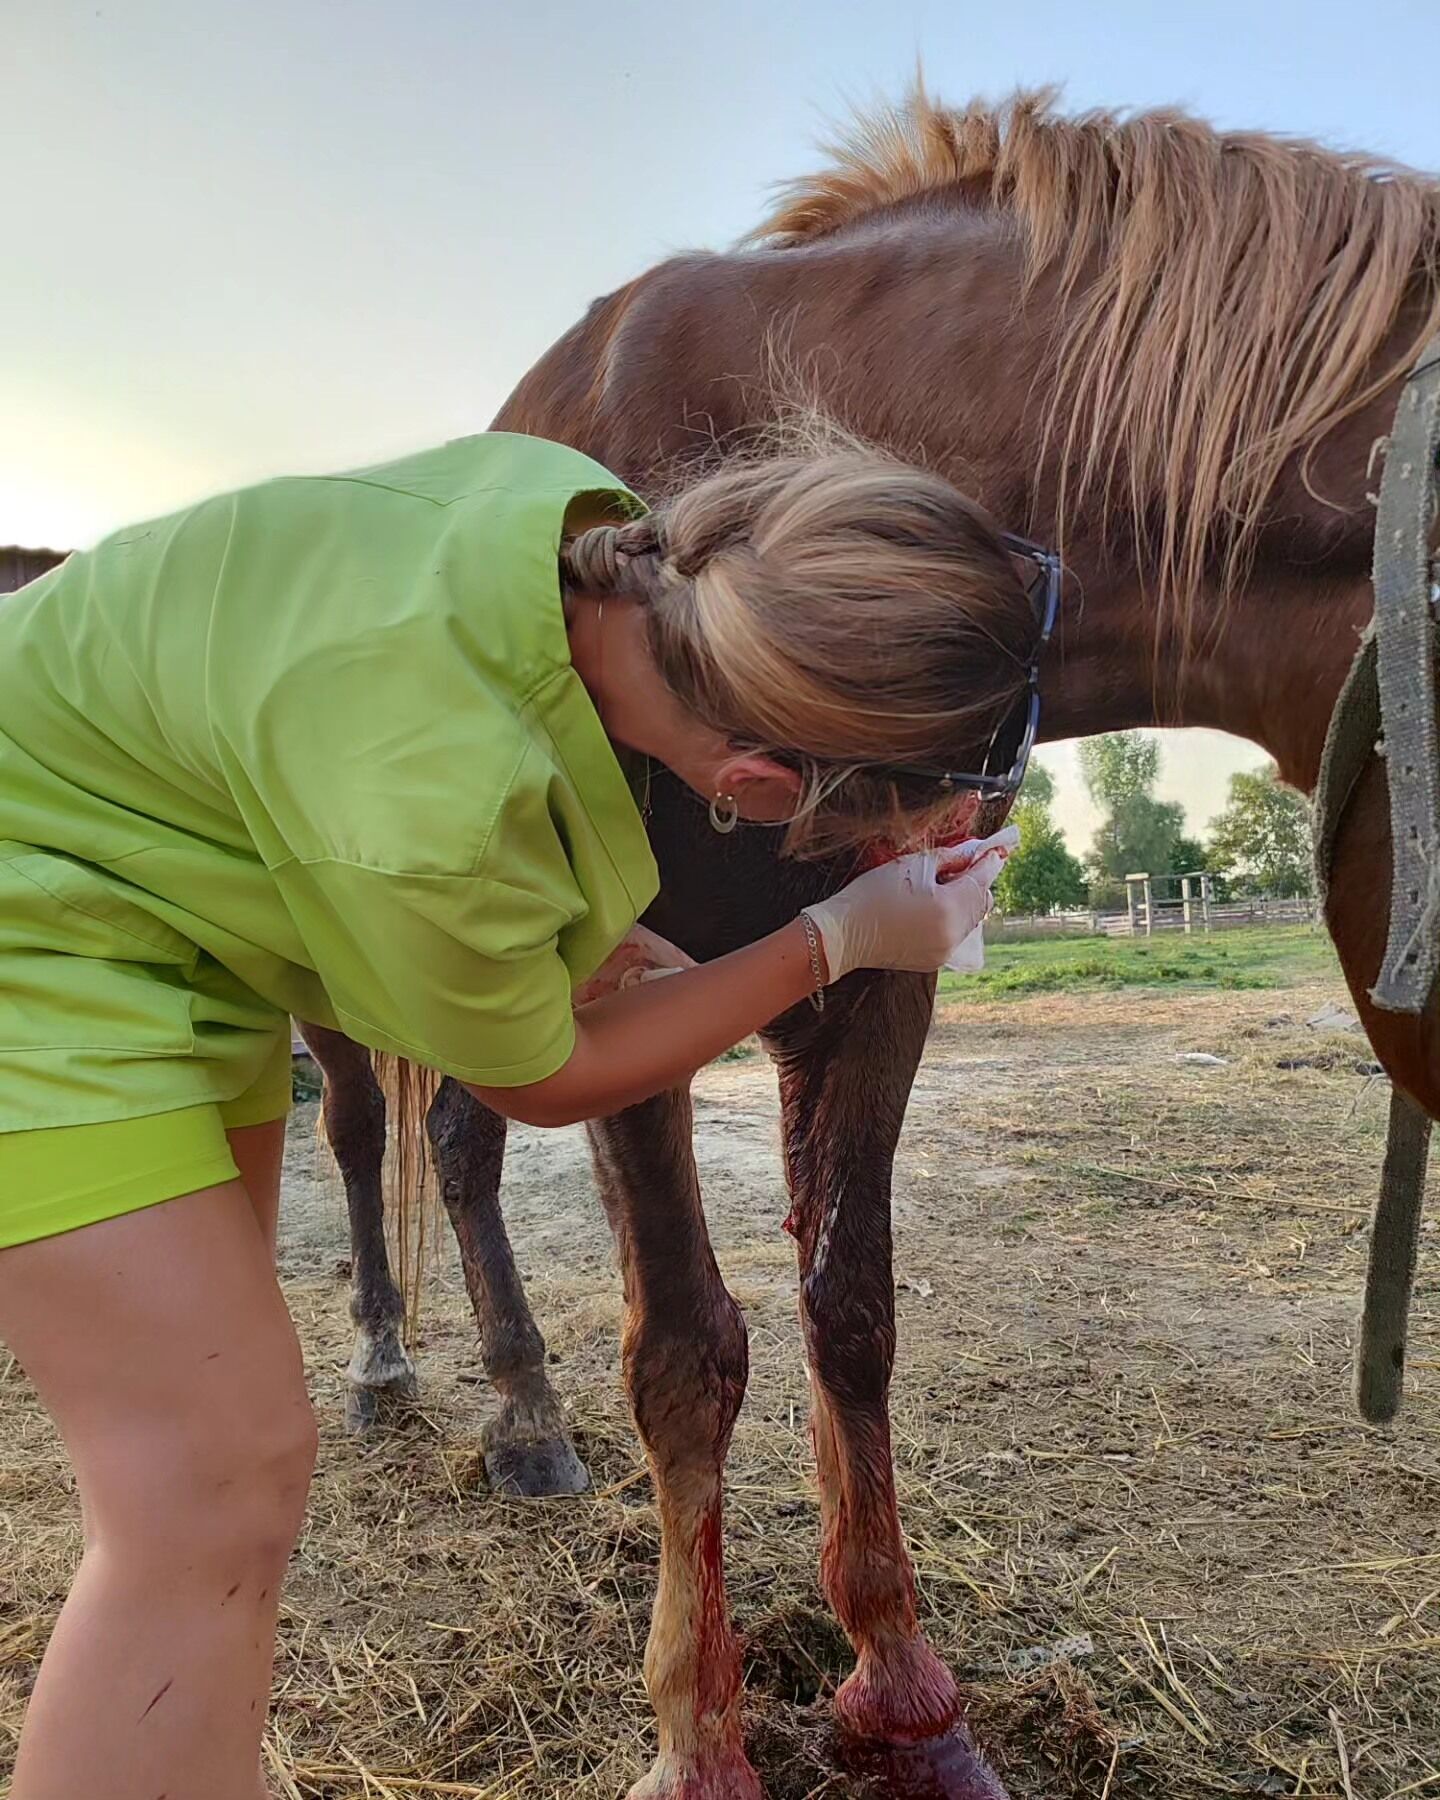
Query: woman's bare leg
{"type": "Point", "coordinates": [259, 1151]}
{"type": "Point", "coordinates": [161, 1345]}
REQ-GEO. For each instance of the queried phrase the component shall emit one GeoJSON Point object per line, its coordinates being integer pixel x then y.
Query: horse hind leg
{"type": "Point", "coordinates": [526, 1445]}
{"type": "Point", "coordinates": [380, 1369]}
{"type": "Point", "coordinates": [844, 1082]}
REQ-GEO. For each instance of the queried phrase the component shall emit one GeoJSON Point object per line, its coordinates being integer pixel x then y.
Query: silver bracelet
{"type": "Point", "coordinates": [812, 939]}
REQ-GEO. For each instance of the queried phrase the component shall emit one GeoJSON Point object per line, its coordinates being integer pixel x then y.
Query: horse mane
{"type": "Point", "coordinates": [1233, 296]}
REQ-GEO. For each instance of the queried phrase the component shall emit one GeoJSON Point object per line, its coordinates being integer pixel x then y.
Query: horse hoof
{"type": "Point", "coordinates": [365, 1406]}
{"type": "Point", "coordinates": [947, 1767]}
{"type": "Point", "coordinates": [536, 1471]}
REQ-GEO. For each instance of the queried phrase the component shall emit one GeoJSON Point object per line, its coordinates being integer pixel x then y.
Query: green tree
{"type": "Point", "coordinates": [1262, 839]}
{"type": "Point", "coordinates": [1141, 836]}
{"type": "Point", "coordinates": [1041, 873]}
{"type": "Point", "coordinates": [1120, 766]}
{"type": "Point", "coordinates": [1138, 834]}
{"type": "Point", "coordinates": [1038, 788]}
{"type": "Point", "coordinates": [1188, 857]}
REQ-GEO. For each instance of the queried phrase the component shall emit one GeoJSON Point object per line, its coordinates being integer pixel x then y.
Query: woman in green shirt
{"type": "Point", "coordinates": [363, 749]}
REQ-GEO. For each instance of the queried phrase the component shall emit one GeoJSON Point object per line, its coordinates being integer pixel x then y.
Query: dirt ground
{"type": "Point", "coordinates": [1151, 1535]}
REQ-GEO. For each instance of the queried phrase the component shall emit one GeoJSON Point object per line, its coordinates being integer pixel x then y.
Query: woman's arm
{"type": "Point", "coordinates": [655, 1035]}
{"type": "Point", "coordinates": [908, 914]}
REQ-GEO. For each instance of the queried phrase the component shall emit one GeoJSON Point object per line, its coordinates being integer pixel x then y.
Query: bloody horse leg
{"type": "Point", "coordinates": [354, 1112]}
{"type": "Point", "coordinates": [686, 1363]}
{"type": "Point", "coordinates": [527, 1446]}
{"type": "Point", "coordinates": [845, 1077]}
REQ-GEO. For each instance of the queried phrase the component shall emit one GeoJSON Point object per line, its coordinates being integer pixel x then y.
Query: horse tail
{"type": "Point", "coordinates": [411, 1191]}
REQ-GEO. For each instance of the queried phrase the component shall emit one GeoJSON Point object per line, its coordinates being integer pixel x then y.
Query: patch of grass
{"type": "Point", "coordinates": [1245, 957]}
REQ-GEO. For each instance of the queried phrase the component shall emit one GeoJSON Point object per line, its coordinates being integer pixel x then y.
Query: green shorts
{"type": "Point", "coordinates": [125, 1052]}
{"type": "Point", "coordinates": [71, 1175]}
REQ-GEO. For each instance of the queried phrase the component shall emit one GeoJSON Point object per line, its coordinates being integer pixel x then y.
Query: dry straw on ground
{"type": "Point", "coordinates": [1125, 1287]}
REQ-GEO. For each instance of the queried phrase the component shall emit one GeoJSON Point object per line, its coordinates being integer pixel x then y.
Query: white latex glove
{"type": "Point", "coordinates": [969, 955]}
{"type": "Point", "coordinates": [914, 913]}
{"type": "Point", "coordinates": [641, 955]}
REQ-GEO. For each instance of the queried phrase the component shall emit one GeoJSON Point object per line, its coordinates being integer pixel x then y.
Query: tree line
{"type": "Point", "coordinates": [1259, 844]}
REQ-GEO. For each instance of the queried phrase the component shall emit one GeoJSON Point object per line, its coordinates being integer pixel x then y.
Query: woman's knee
{"type": "Point", "coordinates": [225, 1485]}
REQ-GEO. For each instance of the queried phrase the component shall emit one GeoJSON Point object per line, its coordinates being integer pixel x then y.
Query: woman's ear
{"type": "Point", "coordinates": [763, 789]}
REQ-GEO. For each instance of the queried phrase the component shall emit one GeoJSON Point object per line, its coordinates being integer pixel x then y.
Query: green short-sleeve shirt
{"type": "Point", "coordinates": [319, 742]}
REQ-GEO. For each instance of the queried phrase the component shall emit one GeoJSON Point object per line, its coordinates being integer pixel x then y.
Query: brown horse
{"type": "Point", "coordinates": [1169, 351]}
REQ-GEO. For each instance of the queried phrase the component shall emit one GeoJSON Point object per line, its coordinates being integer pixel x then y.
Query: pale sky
{"type": "Point", "coordinates": [263, 235]}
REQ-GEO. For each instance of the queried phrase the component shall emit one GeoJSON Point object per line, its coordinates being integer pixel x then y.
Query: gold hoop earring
{"type": "Point", "coordinates": [724, 814]}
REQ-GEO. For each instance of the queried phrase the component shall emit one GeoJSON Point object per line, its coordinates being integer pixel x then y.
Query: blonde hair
{"type": "Point", "coordinates": [838, 611]}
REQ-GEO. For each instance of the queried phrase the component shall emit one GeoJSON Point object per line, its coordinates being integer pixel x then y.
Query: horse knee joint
{"type": "Point", "coordinates": [730, 1350]}
{"type": "Point", "coordinates": [690, 1387]}
{"type": "Point", "coordinates": [851, 1342]}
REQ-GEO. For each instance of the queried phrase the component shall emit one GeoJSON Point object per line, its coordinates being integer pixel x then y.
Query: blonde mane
{"type": "Point", "coordinates": [1234, 296]}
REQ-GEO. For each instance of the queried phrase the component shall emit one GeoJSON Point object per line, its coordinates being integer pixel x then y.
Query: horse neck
{"type": "Point", "coordinates": [956, 380]}
{"type": "Point", "coordinates": [1270, 673]}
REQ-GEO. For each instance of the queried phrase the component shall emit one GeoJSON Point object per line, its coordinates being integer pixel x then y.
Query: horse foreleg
{"type": "Point", "coordinates": [526, 1444]}
{"type": "Point", "coordinates": [845, 1077]}
{"type": "Point", "coordinates": [354, 1112]}
{"type": "Point", "coordinates": [686, 1362]}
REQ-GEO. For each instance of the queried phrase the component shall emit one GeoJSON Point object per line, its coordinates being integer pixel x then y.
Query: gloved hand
{"type": "Point", "coordinates": [913, 913]}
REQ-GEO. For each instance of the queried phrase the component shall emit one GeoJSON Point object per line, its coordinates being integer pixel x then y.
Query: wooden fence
{"type": "Point", "coordinates": [1167, 917]}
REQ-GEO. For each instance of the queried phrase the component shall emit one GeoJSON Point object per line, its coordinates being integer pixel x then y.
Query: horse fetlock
{"type": "Point", "coordinates": [513, 1352]}
{"type": "Point", "coordinates": [529, 1411]}
{"type": "Point", "coordinates": [899, 1691]}
{"type": "Point", "coordinates": [376, 1305]}
{"type": "Point", "coordinates": [901, 1725]}
{"type": "Point", "coordinates": [380, 1370]}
